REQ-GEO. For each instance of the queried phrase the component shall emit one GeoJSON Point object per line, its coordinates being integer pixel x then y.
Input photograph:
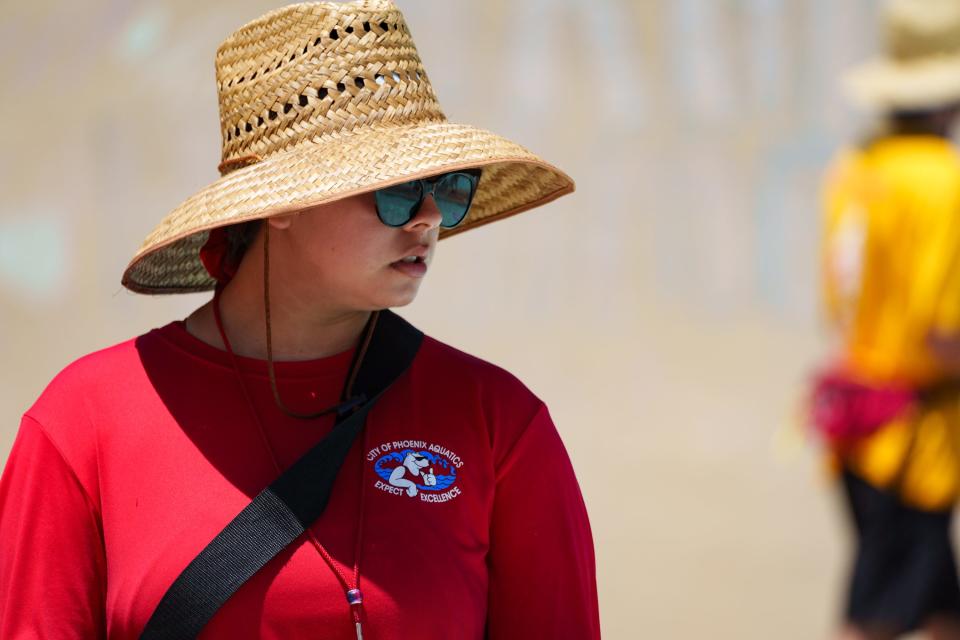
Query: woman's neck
{"type": "Point", "coordinates": [301, 327]}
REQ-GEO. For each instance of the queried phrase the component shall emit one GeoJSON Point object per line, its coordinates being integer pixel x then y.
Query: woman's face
{"type": "Point", "coordinates": [342, 252]}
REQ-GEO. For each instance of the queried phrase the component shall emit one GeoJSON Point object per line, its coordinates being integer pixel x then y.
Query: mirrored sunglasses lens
{"type": "Point", "coordinates": [395, 205]}
{"type": "Point", "coordinates": [453, 194]}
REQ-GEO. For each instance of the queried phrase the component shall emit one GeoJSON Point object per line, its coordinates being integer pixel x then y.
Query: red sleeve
{"type": "Point", "coordinates": [52, 564]}
{"type": "Point", "coordinates": [542, 567]}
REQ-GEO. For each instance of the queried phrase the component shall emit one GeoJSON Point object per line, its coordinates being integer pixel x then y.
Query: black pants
{"type": "Point", "coordinates": [904, 569]}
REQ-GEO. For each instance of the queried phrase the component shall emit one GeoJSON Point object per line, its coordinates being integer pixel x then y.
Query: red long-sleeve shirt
{"type": "Point", "coordinates": [136, 456]}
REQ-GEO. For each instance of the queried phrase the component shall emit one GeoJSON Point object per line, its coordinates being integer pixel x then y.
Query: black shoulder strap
{"type": "Point", "coordinates": [282, 511]}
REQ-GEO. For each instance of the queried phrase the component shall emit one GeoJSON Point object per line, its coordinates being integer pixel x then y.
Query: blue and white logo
{"type": "Point", "coordinates": [416, 468]}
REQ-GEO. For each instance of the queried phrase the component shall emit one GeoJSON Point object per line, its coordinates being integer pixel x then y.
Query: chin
{"type": "Point", "coordinates": [393, 292]}
{"type": "Point", "coordinates": [394, 299]}
{"type": "Point", "coordinates": [401, 301]}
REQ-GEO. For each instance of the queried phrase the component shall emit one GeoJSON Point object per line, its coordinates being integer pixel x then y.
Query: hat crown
{"type": "Point", "coordinates": [916, 29]}
{"type": "Point", "coordinates": [310, 71]}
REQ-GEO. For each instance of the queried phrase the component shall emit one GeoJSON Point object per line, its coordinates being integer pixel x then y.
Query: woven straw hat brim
{"type": "Point", "coordinates": [339, 166]}
{"type": "Point", "coordinates": [899, 85]}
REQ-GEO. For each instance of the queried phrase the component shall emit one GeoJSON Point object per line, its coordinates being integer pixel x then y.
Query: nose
{"type": "Point", "coordinates": [427, 218]}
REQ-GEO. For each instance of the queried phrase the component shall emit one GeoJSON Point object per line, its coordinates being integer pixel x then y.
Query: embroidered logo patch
{"type": "Point", "coordinates": [416, 469]}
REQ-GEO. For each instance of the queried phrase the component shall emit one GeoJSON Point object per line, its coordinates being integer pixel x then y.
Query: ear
{"type": "Point", "coordinates": [281, 222]}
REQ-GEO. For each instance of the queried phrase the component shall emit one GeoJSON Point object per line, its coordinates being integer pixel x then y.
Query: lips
{"type": "Point", "coordinates": [418, 251]}
{"type": "Point", "coordinates": [413, 263]}
{"type": "Point", "coordinates": [415, 268]}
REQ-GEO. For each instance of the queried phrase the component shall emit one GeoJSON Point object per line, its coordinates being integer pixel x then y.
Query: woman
{"type": "Point", "coordinates": [455, 512]}
{"type": "Point", "coordinates": [892, 289]}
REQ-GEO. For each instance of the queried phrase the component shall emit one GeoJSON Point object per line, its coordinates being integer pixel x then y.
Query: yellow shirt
{"type": "Point", "coordinates": [891, 275]}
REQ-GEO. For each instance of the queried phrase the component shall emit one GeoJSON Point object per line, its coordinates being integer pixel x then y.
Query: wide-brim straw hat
{"type": "Point", "coordinates": [319, 102]}
{"type": "Point", "coordinates": [920, 69]}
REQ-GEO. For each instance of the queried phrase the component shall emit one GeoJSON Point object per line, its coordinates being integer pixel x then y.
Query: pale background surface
{"type": "Point", "coordinates": [666, 311]}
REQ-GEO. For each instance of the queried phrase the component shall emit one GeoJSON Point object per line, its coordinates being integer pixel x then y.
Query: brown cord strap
{"type": "Point", "coordinates": [354, 368]}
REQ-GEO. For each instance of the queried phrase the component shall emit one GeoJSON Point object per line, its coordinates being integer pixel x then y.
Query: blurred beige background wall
{"type": "Point", "coordinates": [666, 311]}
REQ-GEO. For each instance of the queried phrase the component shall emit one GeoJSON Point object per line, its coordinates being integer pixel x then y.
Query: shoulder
{"type": "Point", "coordinates": [501, 394]}
{"type": "Point", "coordinates": [515, 420]}
{"type": "Point", "coordinates": [84, 378]}
{"type": "Point", "coordinates": [87, 393]}
{"type": "Point", "coordinates": [66, 412]}
{"type": "Point", "coordinates": [471, 369]}
{"type": "Point", "coordinates": [925, 164]}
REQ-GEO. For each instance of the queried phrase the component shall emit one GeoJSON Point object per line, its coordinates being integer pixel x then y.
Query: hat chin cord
{"type": "Point", "coordinates": [348, 402]}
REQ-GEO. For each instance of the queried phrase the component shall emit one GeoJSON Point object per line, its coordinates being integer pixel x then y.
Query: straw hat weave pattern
{"type": "Point", "coordinates": [318, 102]}
{"type": "Point", "coordinates": [920, 69]}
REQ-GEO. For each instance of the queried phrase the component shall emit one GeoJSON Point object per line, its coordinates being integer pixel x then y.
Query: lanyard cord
{"type": "Point", "coordinates": [353, 594]}
{"type": "Point", "coordinates": [354, 369]}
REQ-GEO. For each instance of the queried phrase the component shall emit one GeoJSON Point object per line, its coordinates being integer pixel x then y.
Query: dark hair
{"type": "Point", "coordinates": [908, 122]}
{"type": "Point", "coordinates": [905, 122]}
{"type": "Point", "coordinates": [239, 238]}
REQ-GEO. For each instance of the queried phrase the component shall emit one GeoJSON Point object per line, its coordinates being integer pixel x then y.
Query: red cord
{"type": "Point", "coordinates": [354, 608]}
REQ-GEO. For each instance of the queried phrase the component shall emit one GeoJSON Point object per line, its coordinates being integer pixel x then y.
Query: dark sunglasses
{"type": "Point", "coordinates": [453, 192]}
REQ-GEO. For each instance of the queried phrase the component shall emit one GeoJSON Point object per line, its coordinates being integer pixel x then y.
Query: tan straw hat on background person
{"type": "Point", "coordinates": [921, 67]}
{"type": "Point", "coordinates": [318, 102]}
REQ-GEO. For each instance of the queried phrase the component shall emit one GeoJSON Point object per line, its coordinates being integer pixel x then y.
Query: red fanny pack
{"type": "Point", "coordinates": [843, 410]}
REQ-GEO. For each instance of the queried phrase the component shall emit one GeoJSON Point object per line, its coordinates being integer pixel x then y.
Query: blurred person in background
{"type": "Point", "coordinates": [889, 406]}
{"type": "Point", "coordinates": [456, 505]}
